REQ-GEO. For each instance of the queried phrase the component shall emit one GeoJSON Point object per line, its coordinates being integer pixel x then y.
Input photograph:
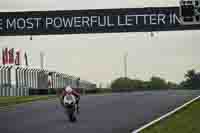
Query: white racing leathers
{"type": "Point", "coordinates": [69, 99]}
{"type": "Point", "coordinates": [70, 106]}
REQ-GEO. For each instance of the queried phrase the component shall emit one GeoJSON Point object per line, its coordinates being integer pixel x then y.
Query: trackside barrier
{"type": "Point", "coordinates": [24, 81]}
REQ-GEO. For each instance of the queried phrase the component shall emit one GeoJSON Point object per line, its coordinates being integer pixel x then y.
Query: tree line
{"type": "Point", "coordinates": [191, 81]}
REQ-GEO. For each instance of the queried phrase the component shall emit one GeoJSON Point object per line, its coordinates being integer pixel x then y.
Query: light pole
{"type": "Point", "coordinates": [125, 64]}
{"type": "Point", "coordinates": [42, 59]}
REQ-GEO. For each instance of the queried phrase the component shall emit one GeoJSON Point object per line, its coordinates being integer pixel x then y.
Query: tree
{"type": "Point", "coordinates": [137, 84]}
{"type": "Point", "coordinates": [127, 84]}
{"type": "Point", "coordinates": [121, 83]}
{"type": "Point", "coordinates": [172, 85]}
{"type": "Point", "coordinates": [190, 74]}
{"type": "Point", "coordinates": [192, 80]}
{"type": "Point", "coordinates": [158, 83]}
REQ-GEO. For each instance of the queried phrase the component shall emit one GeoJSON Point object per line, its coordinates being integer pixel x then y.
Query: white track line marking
{"type": "Point", "coordinates": [165, 116]}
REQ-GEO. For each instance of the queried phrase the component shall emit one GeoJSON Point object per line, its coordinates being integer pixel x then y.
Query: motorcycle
{"type": "Point", "coordinates": [69, 102]}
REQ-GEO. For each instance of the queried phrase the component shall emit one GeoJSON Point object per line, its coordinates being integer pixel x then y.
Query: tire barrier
{"type": "Point", "coordinates": [23, 81]}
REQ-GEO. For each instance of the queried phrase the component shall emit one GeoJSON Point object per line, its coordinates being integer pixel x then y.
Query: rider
{"type": "Point", "coordinates": [69, 90]}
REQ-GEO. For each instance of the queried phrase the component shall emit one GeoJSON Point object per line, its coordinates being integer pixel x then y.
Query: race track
{"type": "Point", "coordinates": [109, 113]}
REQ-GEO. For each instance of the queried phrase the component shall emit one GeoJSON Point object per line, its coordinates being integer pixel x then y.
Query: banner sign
{"type": "Point", "coordinates": [92, 21]}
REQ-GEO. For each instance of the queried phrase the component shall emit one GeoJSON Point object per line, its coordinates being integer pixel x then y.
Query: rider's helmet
{"type": "Point", "coordinates": [68, 89]}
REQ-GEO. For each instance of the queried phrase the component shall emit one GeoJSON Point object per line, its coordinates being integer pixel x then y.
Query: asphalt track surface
{"type": "Point", "coordinates": [109, 113]}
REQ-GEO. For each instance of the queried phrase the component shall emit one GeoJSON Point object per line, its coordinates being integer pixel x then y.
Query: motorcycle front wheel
{"type": "Point", "coordinates": [71, 115]}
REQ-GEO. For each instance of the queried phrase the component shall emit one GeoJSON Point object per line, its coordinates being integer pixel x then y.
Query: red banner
{"type": "Point", "coordinates": [5, 56]}
{"type": "Point", "coordinates": [11, 56]}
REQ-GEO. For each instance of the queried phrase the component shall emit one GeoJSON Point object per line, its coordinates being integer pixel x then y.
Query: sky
{"type": "Point", "coordinates": [99, 57]}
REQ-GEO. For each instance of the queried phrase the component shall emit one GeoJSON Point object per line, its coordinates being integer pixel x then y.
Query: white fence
{"type": "Point", "coordinates": [14, 91]}
{"type": "Point", "coordinates": [18, 81]}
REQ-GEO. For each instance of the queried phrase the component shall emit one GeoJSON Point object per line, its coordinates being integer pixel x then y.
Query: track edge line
{"type": "Point", "coordinates": [165, 116]}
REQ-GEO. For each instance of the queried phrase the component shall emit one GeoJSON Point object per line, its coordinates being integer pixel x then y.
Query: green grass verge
{"type": "Point", "coordinates": [185, 121]}
{"type": "Point", "coordinates": [12, 100]}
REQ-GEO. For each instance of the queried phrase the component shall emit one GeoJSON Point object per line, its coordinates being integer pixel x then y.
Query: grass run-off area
{"type": "Point", "coordinates": [12, 100]}
{"type": "Point", "coordinates": [186, 120]}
